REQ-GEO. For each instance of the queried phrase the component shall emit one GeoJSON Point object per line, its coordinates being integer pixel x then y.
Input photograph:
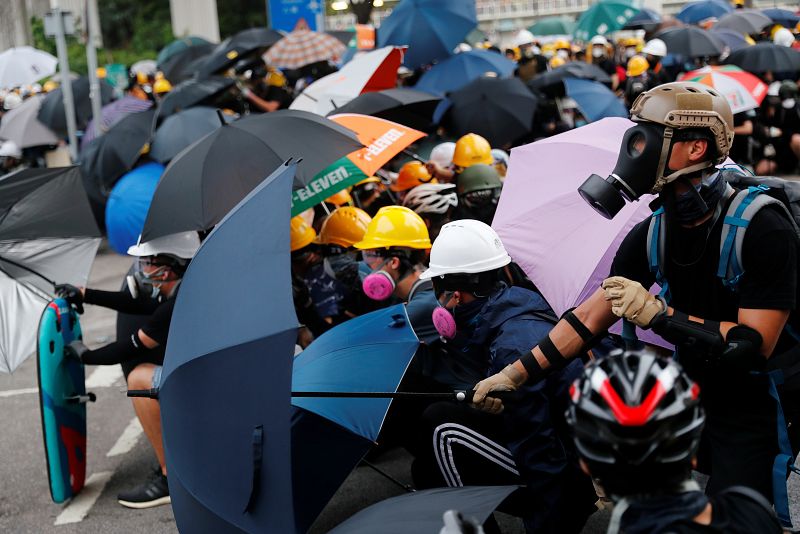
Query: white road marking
{"type": "Point", "coordinates": [104, 376]}
{"type": "Point", "coordinates": [78, 507]}
{"type": "Point", "coordinates": [15, 392]}
{"type": "Point", "coordinates": [128, 438]}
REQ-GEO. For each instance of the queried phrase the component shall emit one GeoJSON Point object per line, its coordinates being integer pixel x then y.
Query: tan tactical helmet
{"type": "Point", "coordinates": [681, 105]}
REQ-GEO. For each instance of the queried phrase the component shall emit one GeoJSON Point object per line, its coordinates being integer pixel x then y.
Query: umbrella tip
{"type": "Point", "coordinates": [221, 116]}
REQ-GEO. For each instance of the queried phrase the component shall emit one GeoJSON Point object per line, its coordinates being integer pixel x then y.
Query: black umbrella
{"type": "Point", "coordinates": [499, 109]}
{"type": "Point", "coordinates": [208, 179]}
{"type": "Point", "coordinates": [181, 66]}
{"type": "Point", "coordinates": [763, 57]}
{"type": "Point", "coordinates": [184, 128]}
{"type": "Point", "coordinates": [106, 158]}
{"type": "Point", "coordinates": [232, 49]}
{"type": "Point", "coordinates": [193, 92]}
{"type": "Point", "coordinates": [52, 115]}
{"type": "Point", "coordinates": [573, 69]}
{"type": "Point", "coordinates": [747, 21]}
{"type": "Point", "coordinates": [409, 107]}
{"type": "Point", "coordinates": [691, 41]}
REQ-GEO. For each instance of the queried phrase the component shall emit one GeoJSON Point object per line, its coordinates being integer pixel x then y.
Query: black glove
{"type": "Point", "coordinates": [71, 294]}
{"type": "Point", "coordinates": [76, 350]}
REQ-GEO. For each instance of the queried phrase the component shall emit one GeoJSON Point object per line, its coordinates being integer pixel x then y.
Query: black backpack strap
{"type": "Point", "coordinates": [753, 495]}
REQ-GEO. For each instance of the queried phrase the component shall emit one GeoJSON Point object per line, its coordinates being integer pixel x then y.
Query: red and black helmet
{"type": "Point", "coordinates": [636, 420]}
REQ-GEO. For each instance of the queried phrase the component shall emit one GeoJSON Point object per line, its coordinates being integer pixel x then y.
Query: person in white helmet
{"type": "Point", "coordinates": [654, 51]}
{"type": "Point", "coordinates": [160, 266]}
{"type": "Point", "coordinates": [12, 101]}
{"type": "Point", "coordinates": [10, 157]}
{"type": "Point", "coordinates": [484, 320]}
{"type": "Point", "coordinates": [783, 37]}
{"type": "Point", "coordinates": [599, 49]}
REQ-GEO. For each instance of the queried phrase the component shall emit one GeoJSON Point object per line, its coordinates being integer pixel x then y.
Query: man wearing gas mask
{"type": "Point", "coordinates": [723, 337]}
{"type": "Point", "coordinates": [484, 321]}
{"type": "Point", "coordinates": [160, 266]}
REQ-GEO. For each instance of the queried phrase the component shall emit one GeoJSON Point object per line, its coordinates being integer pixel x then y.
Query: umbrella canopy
{"type": "Point", "coordinates": [690, 41]}
{"type": "Point", "coordinates": [409, 107]}
{"type": "Point", "coordinates": [422, 511]}
{"type": "Point", "coordinates": [595, 100]}
{"type": "Point", "coordinates": [553, 26]}
{"type": "Point", "coordinates": [604, 17]}
{"type": "Point", "coordinates": [128, 204]}
{"type": "Point", "coordinates": [373, 71]}
{"type": "Point", "coordinates": [418, 24]}
{"type": "Point", "coordinates": [303, 47]}
{"type": "Point", "coordinates": [209, 178]}
{"type": "Point", "coordinates": [383, 139]}
{"type": "Point", "coordinates": [574, 69]}
{"type": "Point", "coordinates": [179, 45]}
{"type": "Point", "coordinates": [747, 21]}
{"type": "Point", "coordinates": [184, 64]}
{"type": "Point", "coordinates": [742, 90]}
{"type": "Point", "coordinates": [784, 17]}
{"type": "Point", "coordinates": [476, 36]}
{"type": "Point", "coordinates": [23, 65]}
{"type": "Point", "coordinates": [695, 12]}
{"type": "Point", "coordinates": [232, 49]}
{"type": "Point", "coordinates": [457, 71]}
{"type": "Point", "coordinates": [193, 92]}
{"type": "Point", "coordinates": [367, 354]}
{"type": "Point", "coordinates": [52, 115]}
{"type": "Point", "coordinates": [108, 157]}
{"type": "Point", "coordinates": [22, 126]}
{"type": "Point", "coordinates": [732, 39]}
{"type": "Point", "coordinates": [551, 232]}
{"type": "Point", "coordinates": [113, 113]}
{"type": "Point", "coordinates": [47, 234]}
{"type": "Point", "coordinates": [499, 109]}
{"type": "Point", "coordinates": [645, 19]}
{"type": "Point", "coordinates": [226, 382]}
{"type": "Point", "coordinates": [184, 128]}
{"type": "Point", "coordinates": [763, 57]}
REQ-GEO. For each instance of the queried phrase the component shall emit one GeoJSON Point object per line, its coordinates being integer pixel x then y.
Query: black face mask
{"type": "Point", "coordinates": [698, 200]}
{"type": "Point", "coordinates": [634, 174]}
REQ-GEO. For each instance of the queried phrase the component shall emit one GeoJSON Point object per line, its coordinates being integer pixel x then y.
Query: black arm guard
{"type": "Point", "coordinates": [589, 339]}
{"type": "Point", "coordinates": [681, 331]}
{"type": "Point", "coordinates": [742, 350]}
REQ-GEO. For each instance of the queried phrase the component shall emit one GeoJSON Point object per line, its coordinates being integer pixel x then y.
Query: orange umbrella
{"type": "Point", "coordinates": [383, 139]}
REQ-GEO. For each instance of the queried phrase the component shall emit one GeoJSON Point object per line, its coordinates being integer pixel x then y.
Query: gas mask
{"type": "Point", "coordinates": [630, 52]}
{"type": "Point", "coordinates": [443, 319]}
{"type": "Point", "coordinates": [788, 103]}
{"type": "Point", "coordinates": [149, 282]}
{"type": "Point", "coordinates": [379, 285]}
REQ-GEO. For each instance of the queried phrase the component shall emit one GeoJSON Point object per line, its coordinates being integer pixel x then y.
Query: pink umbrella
{"type": "Point", "coordinates": [563, 245]}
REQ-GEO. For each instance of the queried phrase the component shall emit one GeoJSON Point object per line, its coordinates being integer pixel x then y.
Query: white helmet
{"type": "Point", "coordinates": [523, 37]}
{"type": "Point", "coordinates": [655, 47]}
{"type": "Point", "coordinates": [466, 246]}
{"type": "Point", "coordinates": [599, 40]}
{"type": "Point", "coordinates": [783, 37]}
{"type": "Point", "coordinates": [182, 245]}
{"type": "Point", "coordinates": [500, 156]}
{"type": "Point", "coordinates": [10, 149]}
{"type": "Point", "coordinates": [431, 198]}
{"type": "Point", "coordinates": [442, 154]}
{"type": "Point", "coordinates": [11, 101]}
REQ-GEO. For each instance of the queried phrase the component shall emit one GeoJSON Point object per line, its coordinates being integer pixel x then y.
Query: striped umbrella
{"type": "Point", "coordinates": [743, 90]}
{"type": "Point", "coordinates": [113, 113]}
{"type": "Point", "coordinates": [303, 47]}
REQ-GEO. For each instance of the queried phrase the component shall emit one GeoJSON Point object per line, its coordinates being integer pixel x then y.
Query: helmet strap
{"type": "Point", "coordinates": [666, 151]}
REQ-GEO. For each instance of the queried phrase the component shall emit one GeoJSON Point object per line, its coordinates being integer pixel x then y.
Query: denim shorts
{"type": "Point", "coordinates": [157, 376]}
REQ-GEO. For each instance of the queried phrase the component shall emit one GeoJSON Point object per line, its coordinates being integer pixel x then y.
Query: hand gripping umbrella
{"type": "Point", "coordinates": [47, 235]}
{"type": "Point", "coordinates": [207, 179]}
{"type": "Point", "coordinates": [549, 230]}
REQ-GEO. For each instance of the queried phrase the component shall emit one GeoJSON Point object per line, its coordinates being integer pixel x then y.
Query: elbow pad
{"type": "Point", "coordinates": [743, 349]}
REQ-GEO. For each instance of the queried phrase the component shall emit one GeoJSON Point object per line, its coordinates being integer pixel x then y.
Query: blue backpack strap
{"type": "Point", "coordinates": [655, 250]}
{"type": "Point", "coordinates": [741, 210]}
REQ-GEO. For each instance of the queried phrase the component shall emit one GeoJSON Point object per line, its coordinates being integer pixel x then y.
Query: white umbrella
{"type": "Point", "coordinates": [23, 65]}
{"type": "Point", "coordinates": [373, 71]}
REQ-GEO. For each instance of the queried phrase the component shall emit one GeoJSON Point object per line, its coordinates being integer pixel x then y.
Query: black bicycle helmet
{"type": "Point", "coordinates": [636, 420]}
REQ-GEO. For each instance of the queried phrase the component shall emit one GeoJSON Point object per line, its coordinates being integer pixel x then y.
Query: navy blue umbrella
{"type": "Point", "coordinates": [646, 18]}
{"type": "Point", "coordinates": [227, 372]}
{"type": "Point", "coordinates": [695, 12]}
{"type": "Point", "coordinates": [784, 17]}
{"type": "Point", "coordinates": [457, 71]}
{"type": "Point", "coordinates": [430, 28]}
{"type": "Point", "coordinates": [595, 100]}
{"type": "Point", "coordinates": [422, 511]}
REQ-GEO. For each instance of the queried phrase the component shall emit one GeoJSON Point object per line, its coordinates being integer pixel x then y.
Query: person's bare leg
{"type": "Point", "coordinates": [148, 410]}
{"type": "Point", "coordinates": [765, 167]}
{"type": "Point", "coordinates": [794, 144]}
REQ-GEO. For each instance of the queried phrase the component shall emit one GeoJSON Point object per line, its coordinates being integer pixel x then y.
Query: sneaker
{"type": "Point", "coordinates": [154, 492]}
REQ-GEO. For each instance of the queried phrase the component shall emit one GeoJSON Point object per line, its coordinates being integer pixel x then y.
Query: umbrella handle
{"type": "Point", "coordinates": [466, 395]}
{"type": "Point", "coordinates": [144, 393]}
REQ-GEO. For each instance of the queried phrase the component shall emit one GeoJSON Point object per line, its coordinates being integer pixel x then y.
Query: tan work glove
{"type": "Point", "coordinates": [631, 301]}
{"type": "Point", "coordinates": [509, 379]}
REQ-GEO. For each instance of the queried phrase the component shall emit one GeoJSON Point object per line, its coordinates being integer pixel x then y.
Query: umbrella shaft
{"type": "Point", "coordinates": [374, 395]}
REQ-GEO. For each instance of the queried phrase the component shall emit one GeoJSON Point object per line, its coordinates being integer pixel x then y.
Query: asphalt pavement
{"type": "Point", "coordinates": [119, 456]}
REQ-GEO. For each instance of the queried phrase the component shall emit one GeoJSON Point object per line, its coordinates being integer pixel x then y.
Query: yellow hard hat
{"type": "Point", "coordinates": [275, 78]}
{"type": "Point", "coordinates": [340, 199]}
{"type": "Point", "coordinates": [301, 233]}
{"type": "Point", "coordinates": [101, 72]}
{"type": "Point", "coordinates": [142, 78]}
{"type": "Point", "coordinates": [556, 61]}
{"type": "Point", "coordinates": [49, 85]}
{"type": "Point", "coordinates": [395, 226]}
{"type": "Point", "coordinates": [562, 44]}
{"type": "Point", "coordinates": [637, 65]}
{"type": "Point", "coordinates": [344, 227]}
{"type": "Point", "coordinates": [411, 175]}
{"type": "Point", "coordinates": [630, 41]}
{"type": "Point", "coordinates": [161, 85]}
{"type": "Point", "coordinates": [472, 149]}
